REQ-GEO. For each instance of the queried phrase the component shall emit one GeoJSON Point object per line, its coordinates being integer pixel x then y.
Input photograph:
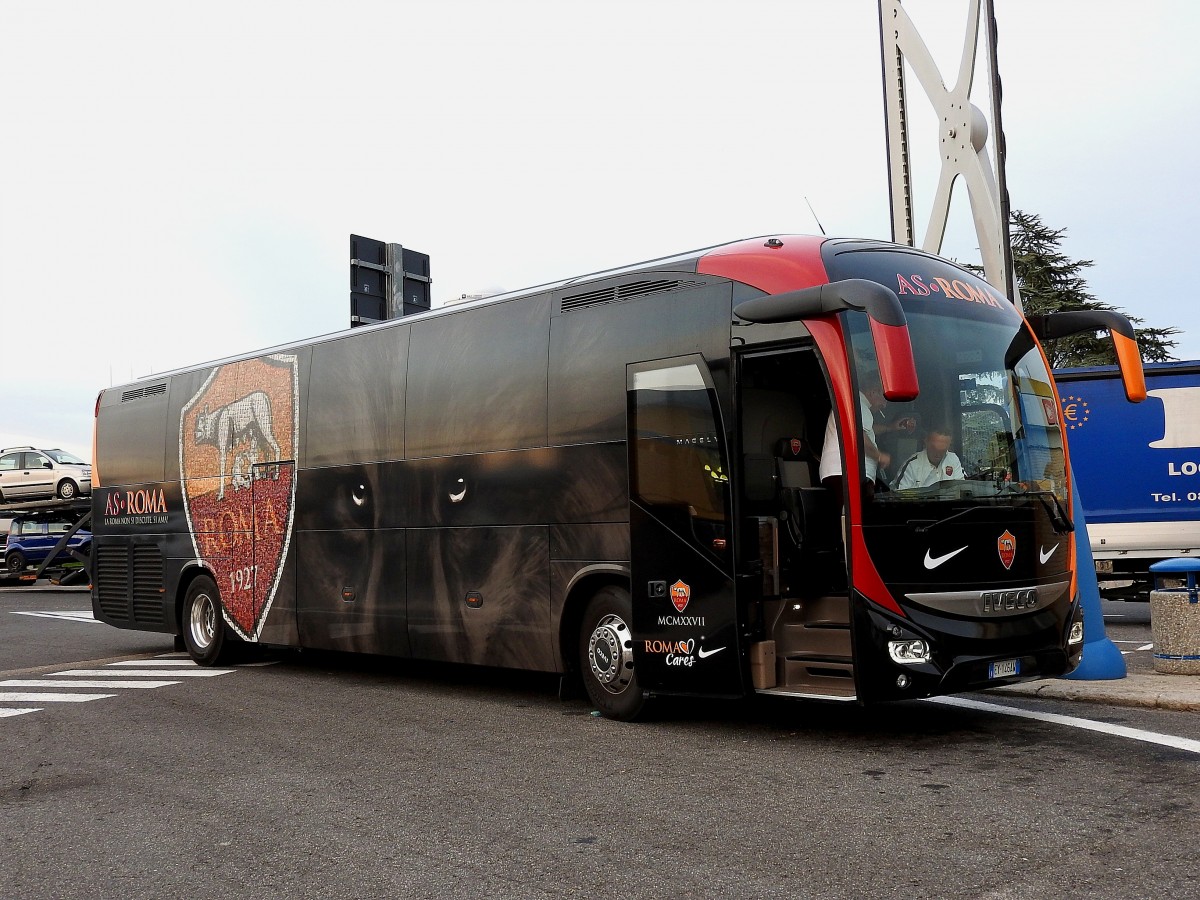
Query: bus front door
{"type": "Point", "coordinates": [684, 614]}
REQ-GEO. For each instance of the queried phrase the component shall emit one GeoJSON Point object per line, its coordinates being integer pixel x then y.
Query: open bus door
{"type": "Point", "coordinates": [684, 611]}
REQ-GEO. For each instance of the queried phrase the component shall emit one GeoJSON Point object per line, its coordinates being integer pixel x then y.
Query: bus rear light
{"type": "Point", "coordinates": [908, 653]}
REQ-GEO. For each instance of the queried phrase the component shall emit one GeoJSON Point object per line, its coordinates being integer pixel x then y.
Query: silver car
{"type": "Point", "coordinates": [27, 473]}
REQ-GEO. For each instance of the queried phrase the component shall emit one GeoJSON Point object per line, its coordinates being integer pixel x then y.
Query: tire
{"type": "Point", "coordinates": [15, 562]}
{"type": "Point", "coordinates": [606, 655]}
{"type": "Point", "coordinates": [67, 489]}
{"type": "Point", "coordinates": [205, 635]}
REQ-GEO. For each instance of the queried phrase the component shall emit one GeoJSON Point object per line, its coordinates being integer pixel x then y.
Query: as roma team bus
{"type": "Point", "coordinates": [618, 478]}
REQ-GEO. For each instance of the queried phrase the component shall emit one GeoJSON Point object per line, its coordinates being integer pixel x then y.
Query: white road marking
{"type": "Point", "coordinates": [81, 615]}
{"type": "Point", "coordinates": [17, 697]}
{"type": "Point", "coordinates": [1146, 647]}
{"type": "Point", "coordinates": [6, 713]}
{"type": "Point", "coordinates": [145, 673]}
{"type": "Point", "coordinates": [172, 660]}
{"type": "Point", "coordinates": [33, 682]}
{"type": "Point", "coordinates": [1137, 734]}
{"type": "Point", "coordinates": [153, 662]}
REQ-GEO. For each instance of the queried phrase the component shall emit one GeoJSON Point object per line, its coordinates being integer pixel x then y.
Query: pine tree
{"type": "Point", "coordinates": [1051, 282]}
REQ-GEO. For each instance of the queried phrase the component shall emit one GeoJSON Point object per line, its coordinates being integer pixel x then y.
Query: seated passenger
{"type": "Point", "coordinates": [933, 464]}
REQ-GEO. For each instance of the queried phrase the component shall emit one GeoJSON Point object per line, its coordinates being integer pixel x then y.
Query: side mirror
{"type": "Point", "coordinates": [47, 465]}
{"type": "Point", "coordinates": [889, 327]}
{"type": "Point", "coordinates": [1129, 360]}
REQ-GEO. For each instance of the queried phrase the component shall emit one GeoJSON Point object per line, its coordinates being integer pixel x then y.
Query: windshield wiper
{"type": "Point", "coordinates": [921, 529]}
{"type": "Point", "coordinates": [1058, 514]}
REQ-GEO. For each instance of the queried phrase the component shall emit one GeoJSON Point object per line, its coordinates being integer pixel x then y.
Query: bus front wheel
{"type": "Point", "coordinates": [606, 654]}
{"type": "Point", "coordinates": [204, 633]}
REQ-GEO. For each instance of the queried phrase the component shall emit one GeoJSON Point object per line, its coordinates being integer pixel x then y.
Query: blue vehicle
{"type": "Point", "coordinates": [31, 538]}
{"type": "Point", "coordinates": [1137, 468]}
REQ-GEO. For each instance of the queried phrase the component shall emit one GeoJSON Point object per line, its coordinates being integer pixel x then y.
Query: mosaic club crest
{"type": "Point", "coordinates": [237, 451]}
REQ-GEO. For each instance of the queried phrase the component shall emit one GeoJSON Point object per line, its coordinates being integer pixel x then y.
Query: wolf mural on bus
{"type": "Point", "coordinates": [237, 451]}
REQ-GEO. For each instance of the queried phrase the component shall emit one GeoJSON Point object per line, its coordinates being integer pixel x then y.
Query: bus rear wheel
{"type": "Point", "coordinates": [606, 655]}
{"type": "Point", "coordinates": [205, 635]}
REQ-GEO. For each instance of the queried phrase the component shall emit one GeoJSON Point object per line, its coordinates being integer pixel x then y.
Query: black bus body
{"type": "Point", "coordinates": [618, 477]}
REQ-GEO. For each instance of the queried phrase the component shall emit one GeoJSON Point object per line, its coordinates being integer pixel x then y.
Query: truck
{"type": "Point", "coordinates": [1137, 469]}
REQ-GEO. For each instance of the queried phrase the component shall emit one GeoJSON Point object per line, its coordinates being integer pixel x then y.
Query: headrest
{"type": "Point", "coordinates": [790, 449]}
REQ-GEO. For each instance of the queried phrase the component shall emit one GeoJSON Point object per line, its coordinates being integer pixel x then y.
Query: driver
{"type": "Point", "coordinates": [933, 464]}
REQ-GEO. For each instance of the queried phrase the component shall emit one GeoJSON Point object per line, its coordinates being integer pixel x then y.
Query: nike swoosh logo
{"type": "Point", "coordinates": [932, 562]}
{"type": "Point", "coordinates": [1043, 555]}
{"type": "Point", "coordinates": [705, 654]}
{"type": "Point", "coordinates": [455, 498]}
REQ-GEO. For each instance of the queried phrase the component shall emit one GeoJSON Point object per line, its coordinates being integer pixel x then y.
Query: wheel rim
{"type": "Point", "coordinates": [203, 621]}
{"type": "Point", "coordinates": [66, 490]}
{"type": "Point", "coordinates": [16, 562]}
{"type": "Point", "coordinates": [610, 654]}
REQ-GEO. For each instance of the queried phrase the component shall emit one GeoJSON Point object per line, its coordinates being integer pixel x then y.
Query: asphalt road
{"type": "Point", "coordinates": [326, 776]}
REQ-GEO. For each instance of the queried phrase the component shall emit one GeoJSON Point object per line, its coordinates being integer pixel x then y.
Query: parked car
{"type": "Point", "coordinates": [31, 538]}
{"type": "Point", "coordinates": [28, 473]}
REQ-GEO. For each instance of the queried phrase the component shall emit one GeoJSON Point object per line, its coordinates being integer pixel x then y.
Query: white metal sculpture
{"type": "Point", "coordinates": [963, 133]}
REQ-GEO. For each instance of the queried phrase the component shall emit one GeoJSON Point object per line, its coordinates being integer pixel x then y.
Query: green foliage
{"type": "Point", "coordinates": [1051, 282]}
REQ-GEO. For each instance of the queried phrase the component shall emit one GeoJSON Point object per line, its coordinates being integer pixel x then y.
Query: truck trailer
{"type": "Point", "coordinates": [1137, 467]}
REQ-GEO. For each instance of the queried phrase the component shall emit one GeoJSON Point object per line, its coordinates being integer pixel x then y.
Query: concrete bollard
{"type": "Point", "coordinates": [1175, 618]}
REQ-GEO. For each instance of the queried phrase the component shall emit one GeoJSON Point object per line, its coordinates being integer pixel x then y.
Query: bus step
{"type": "Point", "coordinates": [798, 639]}
{"type": "Point", "coordinates": [820, 676]}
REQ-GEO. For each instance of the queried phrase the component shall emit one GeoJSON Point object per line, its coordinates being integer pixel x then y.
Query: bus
{"type": "Point", "coordinates": [619, 478]}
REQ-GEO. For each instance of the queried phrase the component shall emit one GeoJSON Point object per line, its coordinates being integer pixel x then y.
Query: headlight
{"type": "Point", "coordinates": [908, 653]}
{"type": "Point", "coordinates": [1076, 634]}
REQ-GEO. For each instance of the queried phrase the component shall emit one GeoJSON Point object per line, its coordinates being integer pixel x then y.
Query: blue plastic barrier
{"type": "Point", "coordinates": [1102, 661]}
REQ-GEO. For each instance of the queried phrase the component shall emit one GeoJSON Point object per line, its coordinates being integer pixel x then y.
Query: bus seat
{"type": "Point", "coordinates": [796, 463]}
{"type": "Point", "coordinates": [808, 508]}
{"type": "Point", "coordinates": [767, 416]}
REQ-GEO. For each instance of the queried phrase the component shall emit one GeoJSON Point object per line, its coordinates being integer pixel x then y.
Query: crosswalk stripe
{"type": "Point", "coordinates": [143, 663]}
{"type": "Point", "coordinates": [5, 713]}
{"type": "Point", "coordinates": [18, 697]}
{"type": "Point", "coordinates": [32, 683]}
{"type": "Point", "coordinates": [172, 656]}
{"type": "Point", "coordinates": [82, 615]}
{"type": "Point", "coordinates": [145, 673]}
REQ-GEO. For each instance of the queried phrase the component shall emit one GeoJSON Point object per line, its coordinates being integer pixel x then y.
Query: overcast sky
{"type": "Point", "coordinates": [178, 182]}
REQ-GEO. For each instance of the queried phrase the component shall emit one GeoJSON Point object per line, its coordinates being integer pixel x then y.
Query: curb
{"type": "Point", "coordinates": [1152, 691]}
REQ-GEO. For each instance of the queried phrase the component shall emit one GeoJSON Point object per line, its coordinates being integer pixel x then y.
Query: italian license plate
{"type": "Point", "coordinates": [1004, 668]}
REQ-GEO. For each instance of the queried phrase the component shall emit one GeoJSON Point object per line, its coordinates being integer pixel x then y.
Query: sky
{"type": "Point", "coordinates": [178, 182]}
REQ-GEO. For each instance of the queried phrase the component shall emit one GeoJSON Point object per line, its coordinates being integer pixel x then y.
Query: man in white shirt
{"type": "Point", "coordinates": [933, 464]}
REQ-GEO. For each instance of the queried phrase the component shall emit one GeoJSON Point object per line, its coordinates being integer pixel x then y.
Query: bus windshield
{"type": "Point", "coordinates": [986, 421]}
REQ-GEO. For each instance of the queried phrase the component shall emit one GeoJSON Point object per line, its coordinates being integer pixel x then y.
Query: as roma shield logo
{"type": "Point", "coordinates": [680, 595]}
{"type": "Point", "coordinates": [237, 452]}
{"type": "Point", "coordinates": [1006, 546]}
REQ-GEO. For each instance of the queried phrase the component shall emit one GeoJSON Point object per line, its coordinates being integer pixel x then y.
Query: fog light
{"type": "Point", "coordinates": [908, 653]}
{"type": "Point", "coordinates": [1076, 635]}
{"type": "Point", "coordinates": [902, 681]}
